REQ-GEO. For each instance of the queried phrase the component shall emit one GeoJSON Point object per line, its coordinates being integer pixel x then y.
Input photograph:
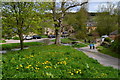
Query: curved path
{"type": "Point", "coordinates": [103, 59]}
{"type": "Point", "coordinates": [33, 40]}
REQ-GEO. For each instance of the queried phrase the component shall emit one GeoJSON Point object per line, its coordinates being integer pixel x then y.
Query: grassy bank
{"type": "Point", "coordinates": [2, 41]}
{"type": "Point", "coordinates": [108, 51]}
{"type": "Point", "coordinates": [78, 45]}
{"type": "Point", "coordinates": [17, 45]}
{"type": "Point", "coordinates": [53, 62]}
{"type": "Point", "coordinates": [65, 40]}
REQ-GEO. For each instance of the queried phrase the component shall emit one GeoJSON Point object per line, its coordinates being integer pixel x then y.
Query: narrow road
{"type": "Point", "coordinates": [103, 59]}
{"type": "Point", "coordinates": [18, 41]}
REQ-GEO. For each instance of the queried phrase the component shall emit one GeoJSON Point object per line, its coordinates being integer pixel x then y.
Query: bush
{"type": "Point", "coordinates": [106, 44]}
{"type": "Point", "coordinates": [80, 35]}
{"type": "Point", "coordinates": [16, 38]}
{"type": "Point", "coordinates": [2, 41]}
{"type": "Point", "coordinates": [116, 44]}
{"type": "Point", "coordinates": [107, 39]}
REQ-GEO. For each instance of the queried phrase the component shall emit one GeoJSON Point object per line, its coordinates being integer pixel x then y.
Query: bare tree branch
{"type": "Point", "coordinates": [76, 5]}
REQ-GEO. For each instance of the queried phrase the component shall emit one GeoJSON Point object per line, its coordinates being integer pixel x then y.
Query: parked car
{"type": "Point", "coordinates": [28, 37]}
{"type": "Point", "coordinates": [51, 36]}
{"type": "Point", "coordinates": [36, 37]}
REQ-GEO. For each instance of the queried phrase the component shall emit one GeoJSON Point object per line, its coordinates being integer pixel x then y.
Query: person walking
{"type": "Point", "coordinates": [91, 45]}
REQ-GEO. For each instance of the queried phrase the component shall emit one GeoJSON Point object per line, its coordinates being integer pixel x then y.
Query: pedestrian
{"type": "Point", "coordinates": [85, 41]}
{"type": "Point", "coordinates": [91, 45]}
{"type": "Point", "coordinates": [89, 41]}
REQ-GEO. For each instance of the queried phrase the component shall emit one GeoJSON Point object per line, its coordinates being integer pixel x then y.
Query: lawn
{"type": "Point", "coordinates": [65, 40]}
{"type": "Point", "coordinates": [2, 41]}
{"type": "Point", "coordinates": [53, 62]}
{"type": "Point", "coordinates": [108, 51]}
{"type": "Point", "coordinates": [79, 45]}
{"type": "Point", "coordinates": [17, 45]}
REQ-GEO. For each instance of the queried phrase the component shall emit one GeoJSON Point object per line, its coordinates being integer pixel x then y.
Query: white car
{"type": "Point", "coordinates": [28, 37]}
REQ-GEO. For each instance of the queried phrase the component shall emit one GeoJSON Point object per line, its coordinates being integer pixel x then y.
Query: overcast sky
{"type": "Point", "coordinates": [93, 5]}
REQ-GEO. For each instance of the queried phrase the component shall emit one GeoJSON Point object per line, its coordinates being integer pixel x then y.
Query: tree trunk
{"type": "Point", "coordinates": [21, 41]}
{"type": "Point", "coordinates": [58, 35]}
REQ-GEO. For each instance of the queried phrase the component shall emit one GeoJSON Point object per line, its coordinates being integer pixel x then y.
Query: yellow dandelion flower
{"type": "Point", "coordinates": [21, 65]}
{"type": "Point", "coordinates": [76, 72]}
{"type": "Point", "coordinates": [17, 68]}
{"type": "Point", "coordinates": [29, 65]}
{"type": "Point", "coordinates": [66, 58]}
{"type": "Point", "coordinates": [72, 74]}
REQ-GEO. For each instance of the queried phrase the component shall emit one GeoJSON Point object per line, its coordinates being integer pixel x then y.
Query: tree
{"type": "Point", "coordinates": [106, 20]}
{"type": "Point", "coordinates": [58, 19]}
{"type": "Point", "coordinates": [21, 17]}
{"type": "Point", "coordinates": [78, 20]}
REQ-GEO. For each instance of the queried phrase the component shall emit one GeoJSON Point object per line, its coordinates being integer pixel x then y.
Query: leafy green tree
{"type": "Point", "coordinates": [62, 11]}
{"type": "Point", "coordinates": [106, 20]}
{"type": "Point", "coordinates": [21, 18]}
{"type": "Point", "coordinates": [78, 21]}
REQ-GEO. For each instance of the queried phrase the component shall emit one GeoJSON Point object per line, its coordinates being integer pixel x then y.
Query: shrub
{"type": "Point", "coordinates": [16, 38]}
{"type": "Point", "coordinates": [80, 35]}
{"type": "Point", "coordinates": [116, 44]}
{"type": "Point", "coordinates": [107, 39]}
{"type": "Point", "coordinates": [2, 41]}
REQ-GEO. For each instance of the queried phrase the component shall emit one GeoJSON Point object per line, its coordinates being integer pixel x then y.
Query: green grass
{"type": "Point", "coordinates": [65, 40]}
{"type": "Point", "coordinates": [2, 41]}
{"type": "Point", "coordinates": [78, 45]}
{"type": "Point", "coordinates": [17, 45]}
{"type": "Point", "coordinates": [53, 62]}
{"type": "Point", "coordinates": [108, 51]}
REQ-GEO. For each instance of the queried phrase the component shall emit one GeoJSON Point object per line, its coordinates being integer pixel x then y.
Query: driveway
{"type": "Point", "coordinates": [33, 40]}
{"type": "Point", "coordinates": [103, 59]}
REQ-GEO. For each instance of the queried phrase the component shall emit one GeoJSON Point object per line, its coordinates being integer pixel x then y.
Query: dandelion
{"type": "Point", "coordinates": [76, 71]}
{"type": "Point", "coordinates": [21, 65]}
{"type": "Point", "coordinates": [28, 66]}
{"type": "Point", "coordinates": [48, 67]}
{"type": "Point", "coordinates": [17, 68]}
{"type": "Point", "coordinates": [66, 58]}
{"type": "Point", "coordinates": [72, 73]}
{"type": "Point", "coordinates": [36, 65]}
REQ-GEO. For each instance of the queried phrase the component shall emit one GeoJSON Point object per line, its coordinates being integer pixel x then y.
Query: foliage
{"type": "Point", "coordinates": [115, 46]}
{"type": "Point", "coordinates": [22, 17]}
{"type": "Point", "coordinates": [16, 38]}
{"type": "Point", "coordinates": [80, 35]}
{"type": "Point", "coordinates": [108, 51]}
{"type": "Point", "coordinates": [17, 45]}
{"type": "Point", "coordinates": [2, 41]}
{"type": "Point", "coordinates": [107, 39]}
{"type": "Point", "coordinates": [106, 20]}
{"type": "Point", "coordinates": [53, 62]}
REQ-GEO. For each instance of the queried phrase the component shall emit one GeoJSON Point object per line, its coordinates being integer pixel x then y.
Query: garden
{"type": "Point", "coordinates": [51, 61]}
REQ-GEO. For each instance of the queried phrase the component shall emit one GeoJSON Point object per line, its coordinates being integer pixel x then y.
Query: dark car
{"type": "Point", "coordinates": [36, 37]}
{"type": "Point", "coordinates": [51, 36]}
